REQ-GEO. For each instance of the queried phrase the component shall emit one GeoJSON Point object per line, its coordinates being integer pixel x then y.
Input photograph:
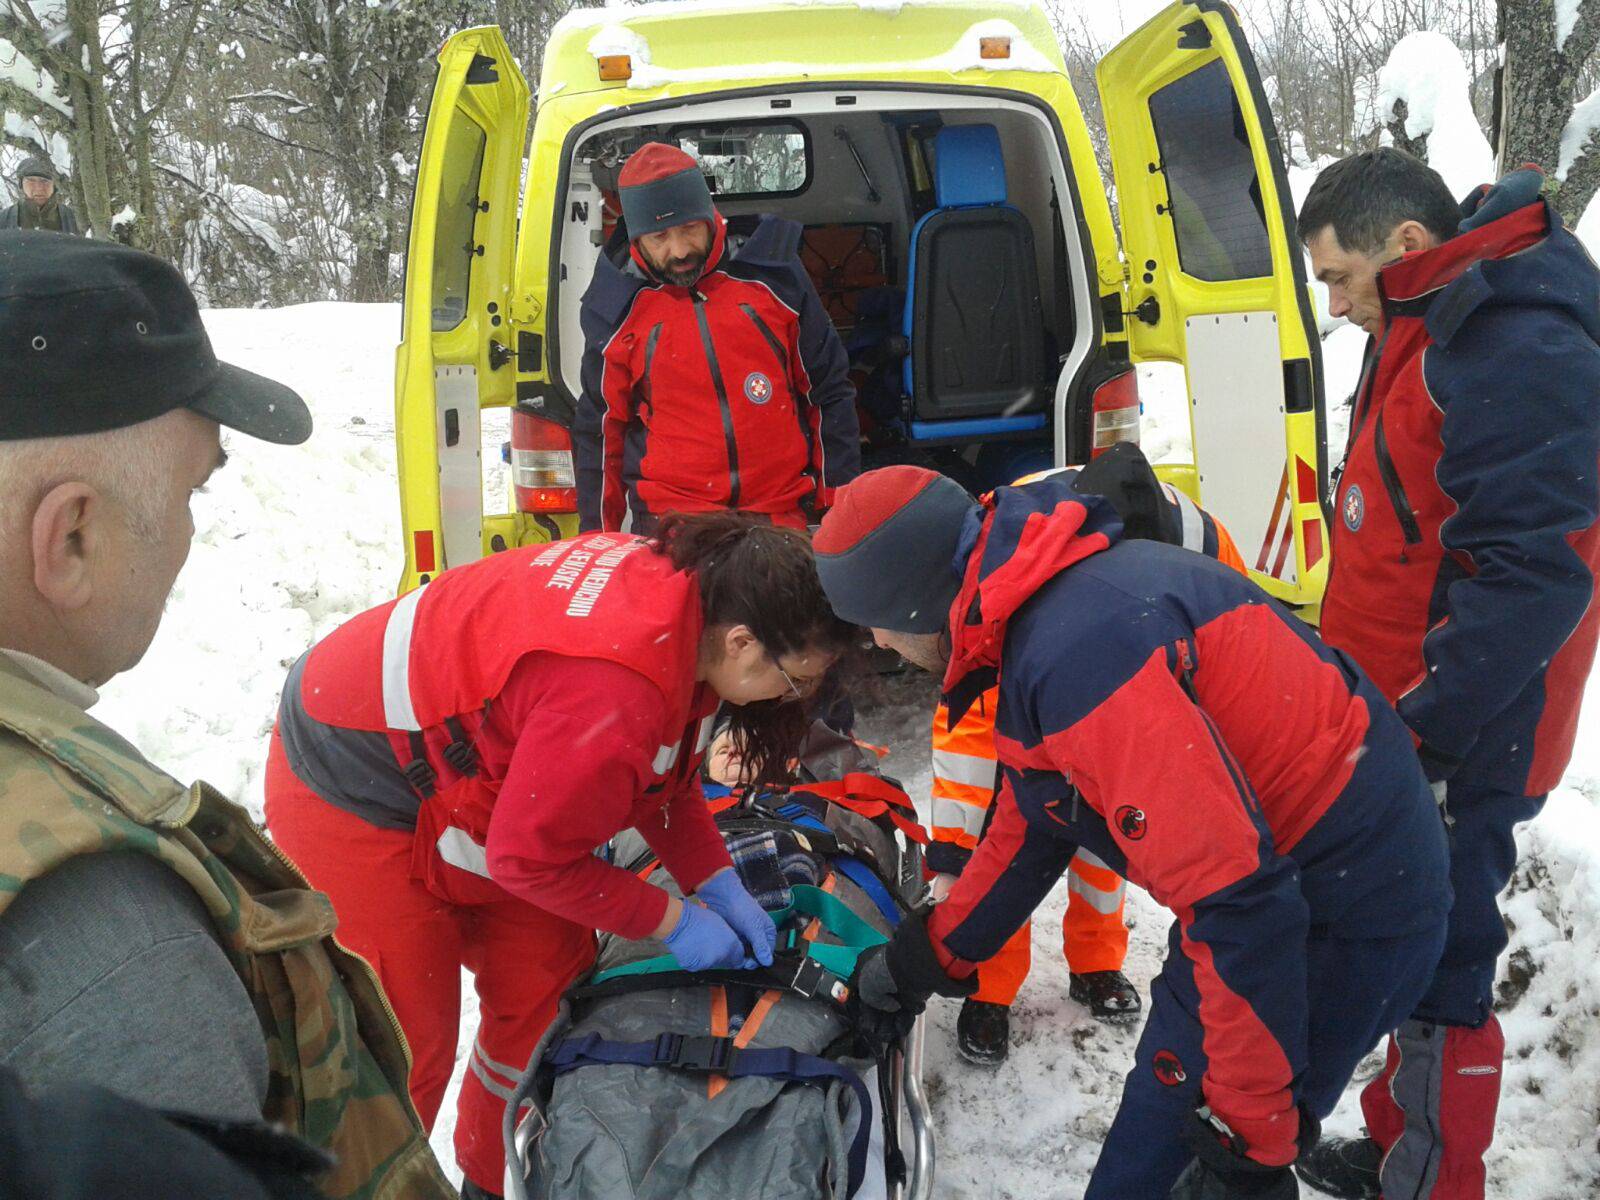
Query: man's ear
{"type": "Point", "coordinates": [1412, 236]}
{"type": "Point", "coordinates": [65, 537]}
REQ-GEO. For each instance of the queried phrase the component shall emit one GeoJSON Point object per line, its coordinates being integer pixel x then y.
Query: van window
{"type": "Point", "coordinates": [453, 242]}
{"type": "Point", "coordinates": [769, 158]}
{"type": "Point", "coordinates": [1211, 178]}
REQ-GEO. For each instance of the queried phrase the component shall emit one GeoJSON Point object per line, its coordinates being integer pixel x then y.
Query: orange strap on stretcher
{"type": "Point", "coordinates": [871, 796]}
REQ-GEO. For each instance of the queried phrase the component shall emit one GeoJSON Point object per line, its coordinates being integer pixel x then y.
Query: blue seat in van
{"type": "Point", "coordinates": [976, 365]}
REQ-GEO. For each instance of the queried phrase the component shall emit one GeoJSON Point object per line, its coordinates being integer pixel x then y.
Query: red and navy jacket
{"type": "Point", "coordinates": [733, 393]}
{"type": "Point", "coordinates": [1465, 537]}
{"type": "Point", "coordinates": [1159, 710]}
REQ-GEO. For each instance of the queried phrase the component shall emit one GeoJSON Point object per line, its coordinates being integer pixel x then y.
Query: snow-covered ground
{"type": "Point", "coordinates": [292, 541]}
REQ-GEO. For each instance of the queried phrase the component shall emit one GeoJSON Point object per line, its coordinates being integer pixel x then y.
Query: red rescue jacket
{"type": "Point", "coordinates": [426, 668]}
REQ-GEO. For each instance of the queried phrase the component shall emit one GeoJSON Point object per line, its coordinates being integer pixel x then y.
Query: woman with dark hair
{"type": "Point", "coordinates": [449, 766]}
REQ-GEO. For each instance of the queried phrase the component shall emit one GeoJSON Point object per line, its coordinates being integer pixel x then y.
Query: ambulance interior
{"type": "Point", "coordinates": [940, 237]}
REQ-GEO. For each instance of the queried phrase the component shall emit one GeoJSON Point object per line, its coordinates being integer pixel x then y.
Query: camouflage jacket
{"type": "Point", "coordinates": [337, 1061]}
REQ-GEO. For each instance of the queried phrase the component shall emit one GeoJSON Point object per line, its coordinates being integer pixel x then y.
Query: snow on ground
{"type": "Point", "coordinates": [291, 541]}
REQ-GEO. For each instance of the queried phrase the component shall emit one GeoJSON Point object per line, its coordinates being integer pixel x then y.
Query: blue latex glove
{"type": "Point", "coordinates": [703, 941]}
{"type": "Point", "coordinates": [727, 897]}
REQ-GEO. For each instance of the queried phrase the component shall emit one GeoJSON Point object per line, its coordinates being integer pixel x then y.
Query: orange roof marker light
{"type": "Point", "coordinates": [615, 66]}
{"type": "Point", "coordinates": [994, 47]}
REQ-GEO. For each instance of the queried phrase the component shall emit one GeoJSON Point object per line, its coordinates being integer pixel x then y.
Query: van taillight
{"type": "Point", "coordinates": [1116, 412]}
{"type": "Point", "coordinates": [541, 465]}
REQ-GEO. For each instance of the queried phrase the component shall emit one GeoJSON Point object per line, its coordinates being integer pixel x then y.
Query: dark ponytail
{"type": "Point", "coordinates": [754, 573]}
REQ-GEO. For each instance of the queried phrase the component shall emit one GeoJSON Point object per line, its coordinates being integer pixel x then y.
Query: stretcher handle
{"type": "Point", "coordinates": [518, 1135]}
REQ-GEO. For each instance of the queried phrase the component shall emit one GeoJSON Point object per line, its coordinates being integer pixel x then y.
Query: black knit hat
{"type": "Point", "coordinates": [886, 550]}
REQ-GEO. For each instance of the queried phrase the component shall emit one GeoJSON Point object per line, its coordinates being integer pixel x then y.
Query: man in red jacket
{"type": "Point", "coordinates": [712, 378]}
{"type": "Point", "coordinates": [1465, 543]}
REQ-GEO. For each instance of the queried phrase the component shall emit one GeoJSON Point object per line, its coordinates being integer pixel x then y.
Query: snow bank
{"type": "Point", "coordinates": [1581, 126]}
{"type": "Point", "coordinates": [292, 540]}
{"type": "Point", "coordinates": [1426, 72]}
{"type": "Point", "coordinates": [1588, 229]}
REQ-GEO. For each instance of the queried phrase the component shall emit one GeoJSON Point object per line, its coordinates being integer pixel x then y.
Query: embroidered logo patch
{"type": "Point", "coordinates": [757, 388]}
{"type": "Point", "coordinates": [1168, 1069]}
{"type": "Point", "coordinates": [1130, 821]}
{"type": "Point", "coordinates": [1354, 509]}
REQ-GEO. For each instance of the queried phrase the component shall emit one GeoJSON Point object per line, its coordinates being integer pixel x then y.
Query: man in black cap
{"type": "Point", "coordinates": [151, 941]}
{"type": "Point", "coordinates": [39, 207]}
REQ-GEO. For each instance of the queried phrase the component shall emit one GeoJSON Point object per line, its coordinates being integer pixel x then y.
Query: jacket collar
{"type": "Point", "coordinates": [1446, 284]}
{"type": "Point", "coordinates": [1014, 542]}
{"type": "Point", "coordinates": [52, 678]}
{"type": "Point", "coordinates": [719, 246]}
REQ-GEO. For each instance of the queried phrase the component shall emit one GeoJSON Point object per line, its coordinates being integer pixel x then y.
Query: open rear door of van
{"type": "Point", "coordinates": [1216, 281]}
{"type": "Point", "coordinates": [454, 358]}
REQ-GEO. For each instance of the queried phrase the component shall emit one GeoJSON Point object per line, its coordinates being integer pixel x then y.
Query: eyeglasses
{"type": "Point", "coordinates": [800, 692]}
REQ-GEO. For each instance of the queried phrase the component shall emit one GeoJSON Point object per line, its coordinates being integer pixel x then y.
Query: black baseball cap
{"type": "Point", "coordinates": [96, 335]}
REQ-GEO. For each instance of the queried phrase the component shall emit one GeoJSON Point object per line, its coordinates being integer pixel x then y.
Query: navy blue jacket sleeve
{"type": "Point", "coordinates": [586, 420]}
{"type": "Point", "coordinates": [828, 367]}
{"type": "Point", "coordinates": [1521, 443]}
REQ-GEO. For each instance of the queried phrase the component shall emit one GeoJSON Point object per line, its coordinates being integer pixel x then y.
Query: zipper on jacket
{"type": "Point", "coordinates": [649, 360]}
{"type": "Point", "coordinates": [1409, 528]}
{"type": "Point", "coordinates": [766, 333]}
{"type": "Point", "coordinates": [813, 470]}
{"type": "Point", "coordinates": [717, 381]}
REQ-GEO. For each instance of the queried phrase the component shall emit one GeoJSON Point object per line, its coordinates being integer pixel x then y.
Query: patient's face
{"type": "Point", "coordinates": [724, 763]}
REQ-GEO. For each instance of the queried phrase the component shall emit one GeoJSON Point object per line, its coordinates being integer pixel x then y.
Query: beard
{"type": "Point", "coordinates": [683, 272]}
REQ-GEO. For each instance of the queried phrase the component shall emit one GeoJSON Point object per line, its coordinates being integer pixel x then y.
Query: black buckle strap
{"type": "Point", "coordinates": [463, 759]}
{"type": "Point", "coordinates": [418, 773]}
{"type": "Point", "coordinates": [808, 978]}
{"type": "Point", "coordinates": [687, 1052]}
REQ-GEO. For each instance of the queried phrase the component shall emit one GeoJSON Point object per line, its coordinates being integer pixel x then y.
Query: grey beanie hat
{"type": "Point", "coordinates": [886, 550]}
{"type": "Point", "coordinates": [36, 167]}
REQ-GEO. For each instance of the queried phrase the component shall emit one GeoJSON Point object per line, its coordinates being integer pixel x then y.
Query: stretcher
{"type": "Point", "coordinates": [653, 1082]}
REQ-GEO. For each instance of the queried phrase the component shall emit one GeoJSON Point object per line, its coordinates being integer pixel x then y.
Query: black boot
{"type": "Point", "coordinates": [1108, 995]}
{"type": "Point", "coordinates": [1343, 1167]}
{"type": "Point", "coordinates": [983, 1032]}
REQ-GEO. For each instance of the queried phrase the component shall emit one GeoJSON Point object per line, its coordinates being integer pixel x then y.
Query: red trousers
{"type": "Point", "coordinates": [521, 959]}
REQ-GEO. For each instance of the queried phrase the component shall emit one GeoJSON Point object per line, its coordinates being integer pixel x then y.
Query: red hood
{"type": "Point", "coordinates": [1016, 541]}
{"type": "Point", "coordinates": [719, 245]}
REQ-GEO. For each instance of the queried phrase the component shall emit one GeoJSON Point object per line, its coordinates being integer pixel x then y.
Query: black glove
{"type": "Point", "coordinates": [1222, 1171]}
{"type": "Point", "coordinates": [891, 984]}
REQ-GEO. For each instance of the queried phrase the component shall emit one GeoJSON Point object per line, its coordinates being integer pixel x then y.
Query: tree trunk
{"type": "Point", "coordinates": [1537, 92]}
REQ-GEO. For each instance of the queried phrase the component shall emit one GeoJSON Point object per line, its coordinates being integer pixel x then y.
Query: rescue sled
{"type": "Point", "coordinates": [655, 1083]}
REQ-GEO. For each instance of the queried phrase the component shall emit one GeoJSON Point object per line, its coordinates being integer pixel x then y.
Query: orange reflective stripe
{"type": "Point", "coordinates": [1227, 551]}
{"type": "Point", "coordinates": [1099, 877]}
{"type": "Point", "coordinates": [974, 733]}
{"type": "Point", "coordinates": [962, 793]}
{"type": "Point", "coordinates": [951, 833]}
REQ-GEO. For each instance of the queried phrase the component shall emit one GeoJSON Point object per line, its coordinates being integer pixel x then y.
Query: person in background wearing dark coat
{"type": "Point", "coordinates": [40, 207]}
{"type": "Point", "coordinates": [1465, 539]}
